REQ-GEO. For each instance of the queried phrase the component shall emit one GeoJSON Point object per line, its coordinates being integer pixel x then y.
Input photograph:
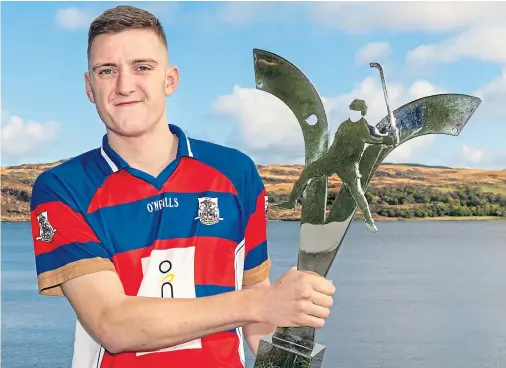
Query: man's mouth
{"type": "Point", "coordinates": [127, 103]}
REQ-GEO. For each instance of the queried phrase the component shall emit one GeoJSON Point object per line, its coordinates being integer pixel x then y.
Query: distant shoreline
{"type": "Point", "coordinates": [417, 219]}
{"type": "Point", "coordinates": [385, 219]}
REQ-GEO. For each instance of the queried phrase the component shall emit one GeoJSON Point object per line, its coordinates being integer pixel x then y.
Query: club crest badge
{"type": "Point", "coordinates": [46, 230]}
{"type": "Point", "coordinates": [209, 213]}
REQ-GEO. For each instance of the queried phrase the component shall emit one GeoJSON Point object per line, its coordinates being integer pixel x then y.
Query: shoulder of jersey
{"type": "Point", "coordinates": [219, 156]}
{"type": "Point", "coordinates": [72, 170]}
{"type": "Point", "coordinates": [238, 167]}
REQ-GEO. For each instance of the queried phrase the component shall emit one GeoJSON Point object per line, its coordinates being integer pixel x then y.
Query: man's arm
{"type": "Point", "coordinates": [256, 261]}
{"type": "Point", "coordinates": [255, 331]}
{"type": "Point", "coordinates": [132, 323]}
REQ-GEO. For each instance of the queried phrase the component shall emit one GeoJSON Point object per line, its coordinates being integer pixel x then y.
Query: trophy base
{"type": "Point", "coordinates": [285, 354]}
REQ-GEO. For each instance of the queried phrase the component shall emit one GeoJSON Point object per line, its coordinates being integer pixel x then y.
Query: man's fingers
{"type": "Point", "coordinates": [322, 300]}
{"type": "Point", "coordinates": [323, 286]}
{"type": "Point", "coordinates": [317, 311]}
{"type": "Point", "coordinates": [314, 274]}
{"type": "Point", "coordinates": [310, 321]}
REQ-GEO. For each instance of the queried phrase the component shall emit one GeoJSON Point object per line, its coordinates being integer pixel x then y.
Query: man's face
{"type": "Point", "coordinates": [129, 78]}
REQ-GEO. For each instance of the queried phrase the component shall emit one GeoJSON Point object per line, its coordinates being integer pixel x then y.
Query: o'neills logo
{"type": "Point", "coordinates": [167, 202]}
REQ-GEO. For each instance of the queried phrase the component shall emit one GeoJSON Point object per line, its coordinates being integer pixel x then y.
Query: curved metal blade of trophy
{"type": "Point", "coordinates": [285, 81]}
{"type": "Point", "coordinates": [438, 114]}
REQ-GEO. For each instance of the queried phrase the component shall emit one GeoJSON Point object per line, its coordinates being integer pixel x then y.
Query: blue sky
{"type": "Point", "coordinates": [425, 48]}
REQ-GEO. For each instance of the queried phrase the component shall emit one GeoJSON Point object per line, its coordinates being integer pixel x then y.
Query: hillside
{"type": "Point", "coordinates": [396, 191]}
{"type": "Point", "coordinates": [408, 190]}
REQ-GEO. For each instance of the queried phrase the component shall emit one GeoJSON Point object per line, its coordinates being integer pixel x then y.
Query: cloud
{"type": "Point", "coordinates": [263, 125]}
{"type": "Point", "coordinates": [488, 159]}
{"type": "Point", "coordinates": [356, 17]}
{"type": "Point", "coordinates": [20, 138]}
{"type": "Point", "coordinates": [480, 43]}
{"type": "Point", "coordinates": [266, 128]}
{"type": "Point", "coordinates": [374, 51]}
{"type": "Point", "coordinates": [246, 13]}
{"type": "Point", "coordinates": [73, 19]}
{"type": "Point", "coordinates": [494, 95]}
{"type": "Point", "coordinates": [474, 155]}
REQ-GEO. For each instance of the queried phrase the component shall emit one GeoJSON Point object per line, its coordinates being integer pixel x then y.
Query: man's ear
{"type": "Point", "coordinates": [87, 84]}
{"type": "Point", "coordinates": [171, 80]}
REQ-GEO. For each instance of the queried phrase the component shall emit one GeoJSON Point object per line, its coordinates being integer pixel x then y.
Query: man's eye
{"type": "Point", "coordinates": [105, 71]}
{"type": "Point", "coordinates": [144, 68]}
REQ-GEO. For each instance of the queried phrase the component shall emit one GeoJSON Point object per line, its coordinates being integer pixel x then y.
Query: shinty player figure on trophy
{"type": "Point", "coordinates": [344, 155]}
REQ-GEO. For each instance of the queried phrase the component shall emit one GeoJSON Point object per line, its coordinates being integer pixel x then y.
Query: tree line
{"type": "Point", "coordinates": [409, 202]}
{"type": "Point", "coordinates": [412, 202]}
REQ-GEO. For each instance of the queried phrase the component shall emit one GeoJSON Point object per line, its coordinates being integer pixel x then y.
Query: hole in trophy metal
{"type": "Point", "coordinates": [260, 84]}
{"type": "Point", "coordinates": [312, 119]}
{"type": "Point", "coordinates": [454, 130]}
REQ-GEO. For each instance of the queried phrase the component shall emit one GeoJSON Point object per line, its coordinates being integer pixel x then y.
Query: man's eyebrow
{"type": "Point", "coordinates": [148, 60]}
{"type": "Point", "coordinates": [100, 65]}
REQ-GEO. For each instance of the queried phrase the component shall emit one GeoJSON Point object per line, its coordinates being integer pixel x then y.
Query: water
{"type": "Point", "coordinates": [415, 294]}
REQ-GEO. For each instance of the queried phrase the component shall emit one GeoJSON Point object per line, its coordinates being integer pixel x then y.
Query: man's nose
{"type": "Point", "coordinates": [125, 83]}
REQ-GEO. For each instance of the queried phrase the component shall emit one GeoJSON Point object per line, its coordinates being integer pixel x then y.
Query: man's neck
{"type": "Point", "coordinates": [151, 152]}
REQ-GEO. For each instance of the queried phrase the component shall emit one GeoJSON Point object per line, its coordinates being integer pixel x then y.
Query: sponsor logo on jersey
{"type": "Point", "coordinates": [170, 273]}
{"type": "Point", "coordinates": [167, 288]}
{"type": "Point", "coordinates": [166, 202]}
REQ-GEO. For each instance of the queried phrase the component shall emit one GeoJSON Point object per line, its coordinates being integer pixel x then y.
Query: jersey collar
{"type": "Point", "coordinates": [117, 163]}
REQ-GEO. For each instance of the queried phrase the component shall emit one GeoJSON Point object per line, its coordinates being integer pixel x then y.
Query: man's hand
{"type": "Point", "coordinates": [298, 298]}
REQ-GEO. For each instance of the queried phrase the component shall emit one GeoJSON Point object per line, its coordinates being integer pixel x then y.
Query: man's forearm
{"type": "Point", "coordinates": [145, 324]}
{"type": "Point", "coordinates": [254, 333]}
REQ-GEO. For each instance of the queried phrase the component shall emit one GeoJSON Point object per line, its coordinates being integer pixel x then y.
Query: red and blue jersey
{"type": "Point", "coordinates": [198, 229]}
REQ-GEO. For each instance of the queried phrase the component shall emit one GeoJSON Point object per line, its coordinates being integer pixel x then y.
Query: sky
{"type": "Point", "coordinates": [425, 48]}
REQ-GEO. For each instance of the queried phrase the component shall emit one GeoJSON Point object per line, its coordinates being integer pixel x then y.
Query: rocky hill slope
{"type": "Point", "coordinates": [397, 191]}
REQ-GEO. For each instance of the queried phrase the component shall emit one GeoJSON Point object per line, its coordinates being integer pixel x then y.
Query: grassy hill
{"type": "Point", "coordinates": [396, 191]}
{"type": "Point", "coordinates": [410, 191]}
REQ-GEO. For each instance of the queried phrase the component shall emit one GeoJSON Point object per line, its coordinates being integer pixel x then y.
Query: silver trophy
{"type": "Point", "coordinates": [354, 155]}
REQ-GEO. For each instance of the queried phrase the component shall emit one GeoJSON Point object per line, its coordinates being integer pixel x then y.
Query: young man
{"type": "Point", "coordinates": [157, 240]}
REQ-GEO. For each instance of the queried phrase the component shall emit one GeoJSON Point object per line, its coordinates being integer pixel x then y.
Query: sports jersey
{"type": "Point", "coordinates": [198, 229]}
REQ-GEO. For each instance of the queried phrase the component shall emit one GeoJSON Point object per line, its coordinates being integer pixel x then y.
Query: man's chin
{"type": "Point", "coordinates": [131, 129]}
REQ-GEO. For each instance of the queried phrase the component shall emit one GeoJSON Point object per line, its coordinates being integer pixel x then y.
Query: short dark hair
{"type": "Point", "coordinates": [122, 18]}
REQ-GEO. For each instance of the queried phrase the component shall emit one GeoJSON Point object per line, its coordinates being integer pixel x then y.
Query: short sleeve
{"type": "Point", "coordinates": [256, 261]}
{"type": "Point", "coordinates": [65, 245]}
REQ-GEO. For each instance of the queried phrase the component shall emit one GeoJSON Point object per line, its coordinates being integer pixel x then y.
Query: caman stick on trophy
{"type": "Point", "coordinates": [354, 155]}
